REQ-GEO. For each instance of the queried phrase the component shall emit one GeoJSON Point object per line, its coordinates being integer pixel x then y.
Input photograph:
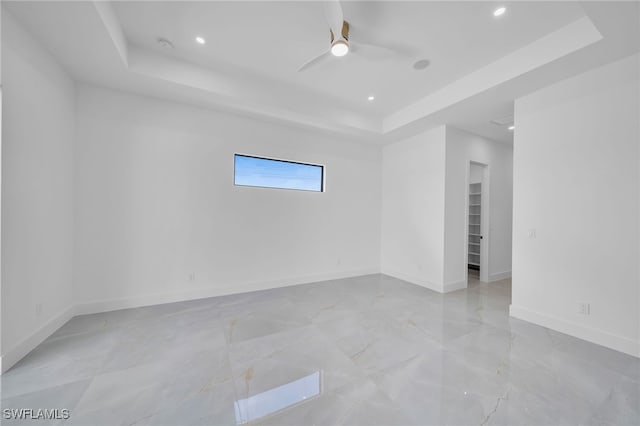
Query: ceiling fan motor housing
{"type": "Point", "coordinates": [345, 32]}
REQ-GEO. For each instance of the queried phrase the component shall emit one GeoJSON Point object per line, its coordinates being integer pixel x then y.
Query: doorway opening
{"type": "Point", "coordinates": [477, 222]}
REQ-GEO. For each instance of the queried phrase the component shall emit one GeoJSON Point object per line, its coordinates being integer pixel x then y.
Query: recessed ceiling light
{"type": "Point", "coordinates": [499, 11]}
{"type": "Point", "coordinates": [200, 40]}
{"type": "Point", "coordinates": [421, 64]}
{"type": "Point", "coordinates": [512, 127]}
{"type": "Point", "coordinates": [339, 48]}
{"type": "Point", "coordinates": [371, 98]}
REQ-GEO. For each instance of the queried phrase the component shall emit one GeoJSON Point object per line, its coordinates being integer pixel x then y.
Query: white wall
{"type": "Point", "coordinates": [463, 147]}
{"type": "Point", "coordinates": [576, 182]}
{"type": "Point", "coordinates": [475, 174]}
{"type": "Point", "coordinates": [413, 173]}
{"type": "Point", "coordinates": [156, 202]}
{"type": "Point", "coordinates": [1, 352]}
{"type": "Point", "coordinates": [424, 212]}
{"type": "Point", "coordinates": [37, 191]}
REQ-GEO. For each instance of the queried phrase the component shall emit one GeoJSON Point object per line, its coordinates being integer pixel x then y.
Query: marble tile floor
{"type": "Point", "coordinates": [359, 351]}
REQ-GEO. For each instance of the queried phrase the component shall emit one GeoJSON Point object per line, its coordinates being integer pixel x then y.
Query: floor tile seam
{"type": "Point", "coordinates": [232, 346]}
{"type": "Point", "coordinates": [81, 395]}
{"type": "Point", "coordinates": [43, 389]}
{"type": "Point", "coordinates": [268, 335]}
{"type": "Point", "coordinates": [64, 382]}
{"type": "Point", "coordinates": [107, 407]}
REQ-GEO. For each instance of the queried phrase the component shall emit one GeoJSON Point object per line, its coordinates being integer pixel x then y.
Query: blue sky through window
{"type": "Point", "coordinates": [253, 171]}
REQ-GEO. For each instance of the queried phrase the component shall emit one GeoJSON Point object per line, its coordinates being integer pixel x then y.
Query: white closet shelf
{"type": "Point", "coordinates": [473, 252]}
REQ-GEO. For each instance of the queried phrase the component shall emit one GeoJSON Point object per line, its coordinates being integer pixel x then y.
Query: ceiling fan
{"type": "Point", "coordinates": [339, 39]}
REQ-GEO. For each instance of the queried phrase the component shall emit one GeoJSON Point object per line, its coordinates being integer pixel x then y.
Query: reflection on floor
{"type": "Point", "coordinates": [366, 350]}
{"type": "Point", "coordinates": [275, 399]}
{"type": "Point", "coordinates": [474, 274]}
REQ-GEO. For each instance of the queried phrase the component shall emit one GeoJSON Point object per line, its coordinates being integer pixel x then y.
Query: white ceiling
{"type": "Point", "coordinates": [478, 63]}
{"type": "Point", "coordinates": [275, 38]}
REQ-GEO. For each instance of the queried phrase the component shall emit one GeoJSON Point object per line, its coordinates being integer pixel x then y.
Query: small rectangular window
{"type": "Point", "coordinates": [271, 173]}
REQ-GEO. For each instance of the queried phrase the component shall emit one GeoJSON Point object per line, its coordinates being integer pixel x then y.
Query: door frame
{"type": "Point", "coordinates": [485, 221]}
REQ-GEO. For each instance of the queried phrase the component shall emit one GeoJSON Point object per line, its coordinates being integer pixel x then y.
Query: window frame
{"type": "Point", "coordinates": [321, 166]}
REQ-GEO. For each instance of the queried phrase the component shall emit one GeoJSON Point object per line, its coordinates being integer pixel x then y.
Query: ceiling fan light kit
{"type": "Point", "coordinates": [340, 47]}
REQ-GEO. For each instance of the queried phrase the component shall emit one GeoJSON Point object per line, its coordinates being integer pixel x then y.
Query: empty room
{"type": "Point", "coordinates": [320, 213]}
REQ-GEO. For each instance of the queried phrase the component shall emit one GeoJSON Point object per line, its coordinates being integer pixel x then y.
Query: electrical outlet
{"type": "Point", "coordinates": [532, 233]}
{"type": "Point", "coordinates": [584, 308]}
{"type": "Point", "coordinates": [192, 276]}
{"type": "Point", "coordinates": [38, 310]}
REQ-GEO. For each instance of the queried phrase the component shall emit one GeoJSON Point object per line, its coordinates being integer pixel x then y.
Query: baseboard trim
{"type": "Point", "coordinates": [26, 345]}
{"type": "Point", "coordinates": [413, 280]}
{"type": "Point", "coordinates": [454, 286]}
{"type": "Point", "coordinates": [497, 276]}
{"type": "Point", "coordinates": [15, 354]}
{"type": "Point", "coordinates": [599, 337]}
{"type": "Point", "coordinates": [98, 306]}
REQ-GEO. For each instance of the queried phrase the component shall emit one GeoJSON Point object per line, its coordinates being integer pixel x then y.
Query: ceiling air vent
{"type": "Point", "coordinates": [503, 121]}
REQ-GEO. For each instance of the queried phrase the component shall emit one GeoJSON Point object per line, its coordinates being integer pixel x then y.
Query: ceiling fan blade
{"type": "Point", "coordinates": [373, 51]}
{"type": "Point", "coordinates": [335, 17]}
{"type": "Point", "coordinates": [315, 61]}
